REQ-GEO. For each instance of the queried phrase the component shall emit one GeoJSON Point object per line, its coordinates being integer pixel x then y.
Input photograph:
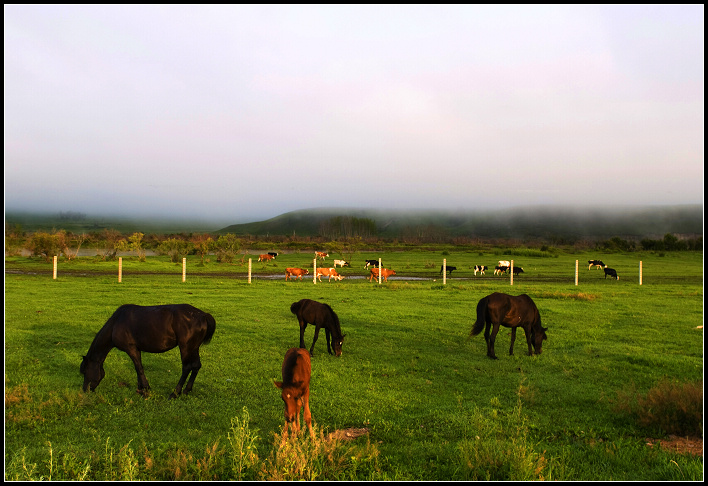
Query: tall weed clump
{"type": "Point", "coordinates": [244, 455]}
{"type": "Point", "coordinates": [672, 407]}
{"type": "Point", "coordinates": [500, 449]}
{"type": "Point", "coordinates": [301, 457]}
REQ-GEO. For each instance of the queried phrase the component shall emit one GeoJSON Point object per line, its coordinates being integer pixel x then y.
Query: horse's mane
{"type": "Point", "coordinates": [103, 342]}
{"type": "Point", "coordinates": [336, 327]}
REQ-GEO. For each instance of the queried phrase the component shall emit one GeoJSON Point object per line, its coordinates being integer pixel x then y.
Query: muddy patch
{"type": "Point", "coordinates": [682, 445]}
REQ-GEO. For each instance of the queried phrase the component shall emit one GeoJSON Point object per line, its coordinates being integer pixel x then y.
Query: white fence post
{"type": "Point", "coordinates": [444, 271]}
{"type": "Point", "coordinates": [511, 270]}
{"type": "Point", "coordinates": [55, 267]}
{"type": "Point", "coordinates": [576, 273]}
{"type": "Point", "coordinates": [120, 269]}
{"type": "Point", "coordinates": [249, 269]}
{"type": "Point", "coordinates": [184, 269]}
{"type": "Point", "coordinates": [640, 272]}
{"type": "Point", "coordinates": [380, 270]}
{"type": "Point", "coordinates": [314, 270]}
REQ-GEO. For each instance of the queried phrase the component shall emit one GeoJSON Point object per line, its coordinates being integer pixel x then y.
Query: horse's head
{"type": "Point", "coordinates": [338, 345]}
{"type": "Point", "coordinates": [291, 401]}
{"type": "Point", "coordinates": [538, 335]}
{"type": "Point", "coordinates": [93, 373]}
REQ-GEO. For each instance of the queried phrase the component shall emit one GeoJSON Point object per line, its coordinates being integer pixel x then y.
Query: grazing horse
{"type": "Point", "coordinates": [153, 329]}
{"type": "Point", "coordinates": [509, 311]}
{"type": "Point", "coordinates": [296, 388]}
{"type": "Point", "coordinates": [319, 315]}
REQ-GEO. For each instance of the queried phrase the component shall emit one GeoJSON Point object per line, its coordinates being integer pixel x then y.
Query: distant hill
{"type": "Point", "coordinates": [527, 222]}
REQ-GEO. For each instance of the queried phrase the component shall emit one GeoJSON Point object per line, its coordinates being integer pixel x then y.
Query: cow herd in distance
{"type": "Point", "coordinates": [504, 267]}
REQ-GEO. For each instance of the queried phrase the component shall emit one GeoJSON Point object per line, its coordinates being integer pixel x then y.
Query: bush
{"type": "Point", "coordinates": [175, 248]}
{"type": "Point", "coordinates": [674, 408]}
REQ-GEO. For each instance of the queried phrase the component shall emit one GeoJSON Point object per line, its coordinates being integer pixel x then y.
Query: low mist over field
{"type": "Point", "coordinates": [523, 222]}
{"type": "Point", "coordinates": [542, 221]}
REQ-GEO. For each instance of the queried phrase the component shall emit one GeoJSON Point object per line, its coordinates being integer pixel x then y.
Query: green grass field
{"type": "Point", "coordinates": [434, 406]}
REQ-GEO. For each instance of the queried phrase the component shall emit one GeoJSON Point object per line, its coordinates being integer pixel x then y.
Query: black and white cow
{"type": "Point", "coordinates": [448, 269]}
{"type": "Point", "coordinates": [372, 263]}
{"type": "Point", "coordinates": [611, 272]}
{"type": "Point", "coordinates": [480, 268]}
{"type": "Point", "coordinates": [596, 263]}
{"type": "Point", "coordinates": [273, 253]}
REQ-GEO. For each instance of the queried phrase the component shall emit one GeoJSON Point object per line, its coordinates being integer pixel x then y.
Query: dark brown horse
{"type": "Point", "coordinates": [296, 388]}
{"type": "Point", "coordinates": [509, 311]}
{"type": "Point", "coordinates": [320, 315]}
{"type": "Point", "coordinates": [153, 329]}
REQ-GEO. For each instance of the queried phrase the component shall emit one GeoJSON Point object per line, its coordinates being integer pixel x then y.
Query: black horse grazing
{"type": "Point", "coordinates": [509, 311]}
{"type": "Point", "coordinates": [320, 315]}
{"type": "Point", "coordinates": [153, 329]}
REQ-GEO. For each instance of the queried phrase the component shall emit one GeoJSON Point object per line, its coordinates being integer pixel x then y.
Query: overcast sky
{"type": "Point", "coordinates": [241, 113]}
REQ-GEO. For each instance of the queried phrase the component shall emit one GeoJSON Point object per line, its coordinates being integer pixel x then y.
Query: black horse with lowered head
{"type": "Point", "coordinates": [509, 311]}
{"type": "Point", "coordinates": [153, 329]}
{"type": "Point", "coordinates": [319, 315]}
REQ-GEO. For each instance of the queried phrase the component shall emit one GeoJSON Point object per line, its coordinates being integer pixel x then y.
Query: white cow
{"type": "Point", "coordinates": [504, 263]}
{"type": "Point", "coordinates": [341, 263]}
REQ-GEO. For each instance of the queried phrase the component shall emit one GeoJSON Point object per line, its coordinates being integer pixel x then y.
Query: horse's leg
{"type": "Point", "coordinates": [143, 386]}
{"type": "Point", "coordinates": [513, 338]}
{"type": "Point", "coordinates": [492, 338]}
{"type": "Point", "coordinates": [527, 330]}
{"type": "Point", "coordinates": [303, 325]}
{"type": "Point", "coordinates": [298, 404]}
{"type": "Point", "coordinates": [190, 364]}
{"type": "Point", "coordinates": [486, 335]}
{"type": "Point", "coordinates": [196, 364]}
{"type": "Point", "coordinates": [314, 340]}
{"type": "Point", "coordinates": [307, 415]}
{"type": "Point", "coordinates": [327, 335]}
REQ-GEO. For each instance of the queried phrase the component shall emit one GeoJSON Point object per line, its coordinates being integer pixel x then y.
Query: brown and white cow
{"type": "Point", "coordinates": [498, 270]}
{"type": "Point", "coordinates": [385, 273]}
{"type": "Point", "coordinates": [328, 272]}
{"type": "Point", "coordinates": [295, 388]}
{"type": "Point", "coordinates": [265, 258]}
{"type": "Point", "coordinates": [295, 272]}
{"type": "Point", "coordinates": [321, 254]}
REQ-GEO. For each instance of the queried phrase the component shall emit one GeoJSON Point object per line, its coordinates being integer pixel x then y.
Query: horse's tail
{"type": "Point", "coordinates": [481, 317]}
{"type": "Point", "coordinates": [211, 327]}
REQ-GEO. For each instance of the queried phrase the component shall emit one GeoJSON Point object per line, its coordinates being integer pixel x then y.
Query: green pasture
{"type": "Point", "coordinates": [435, 407]}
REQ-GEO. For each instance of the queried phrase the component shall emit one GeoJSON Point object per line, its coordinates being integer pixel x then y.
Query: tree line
{"type": "Point", "coordinates": [341, 234]}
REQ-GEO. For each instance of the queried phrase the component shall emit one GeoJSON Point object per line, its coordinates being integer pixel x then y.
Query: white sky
{"type": "Point", "coordinates": [241, 113]}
